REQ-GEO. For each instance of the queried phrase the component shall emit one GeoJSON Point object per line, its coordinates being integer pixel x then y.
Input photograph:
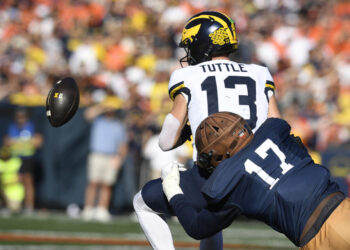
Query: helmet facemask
{"type": "Point", "coordinates": [191, 58]}
{"type": "Point", "coordinates": [187, 58]}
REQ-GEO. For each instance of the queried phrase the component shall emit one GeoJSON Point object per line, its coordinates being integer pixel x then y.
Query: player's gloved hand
{"type": "Point", "coordinates": [165, 170]}
{"type": "Point", "coordinates": [171, 181]}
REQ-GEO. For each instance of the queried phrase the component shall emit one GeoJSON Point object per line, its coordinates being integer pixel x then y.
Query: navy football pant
{"type": "Point", "coordinates": [191, 182]}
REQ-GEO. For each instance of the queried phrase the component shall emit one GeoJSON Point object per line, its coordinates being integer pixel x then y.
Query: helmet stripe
{"type": "Point", "coordinates": [229, 19]}
{"type": "Point", "coordinates": [233, 40]}
{"type": "Point", "coordinates": [188, 33]}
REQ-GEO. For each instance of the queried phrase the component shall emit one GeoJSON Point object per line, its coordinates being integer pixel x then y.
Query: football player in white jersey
{"type": "Point", "coordinates": [209, 84]}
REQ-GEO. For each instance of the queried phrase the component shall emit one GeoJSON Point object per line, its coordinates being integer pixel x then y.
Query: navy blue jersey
{"type": "Point", "coordinates": [273, 180]}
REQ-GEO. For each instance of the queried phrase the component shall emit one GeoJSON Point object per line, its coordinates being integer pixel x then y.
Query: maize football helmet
{"type": "Point", "coordinates": [206, 35]}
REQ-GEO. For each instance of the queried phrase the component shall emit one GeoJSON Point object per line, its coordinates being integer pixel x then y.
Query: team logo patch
{"type": "Point", "coordinates": [220, 36]}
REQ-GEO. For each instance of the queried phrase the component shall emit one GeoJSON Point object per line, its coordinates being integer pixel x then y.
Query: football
{"type": "Point", "coordinates": [62, 101]}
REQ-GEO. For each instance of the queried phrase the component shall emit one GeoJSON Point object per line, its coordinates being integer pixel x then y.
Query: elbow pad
{"type": "Point", "coordinates": [167, 137]}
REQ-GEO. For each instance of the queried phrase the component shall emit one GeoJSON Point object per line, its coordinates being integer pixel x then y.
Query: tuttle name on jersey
{"type": "Point", "coordinates": [226, 67]}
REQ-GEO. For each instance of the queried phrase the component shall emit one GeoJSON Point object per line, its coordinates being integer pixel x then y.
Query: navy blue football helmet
{"type": "Point", "coordinates": [208, 34]}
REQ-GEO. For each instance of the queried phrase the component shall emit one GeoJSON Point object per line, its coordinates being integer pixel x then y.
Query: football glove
{"type": "Point", "coordinates": [165, 170]}
{"type": "Point", "coordinates": [171, 181]}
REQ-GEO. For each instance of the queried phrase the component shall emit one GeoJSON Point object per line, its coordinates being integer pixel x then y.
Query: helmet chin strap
{"type": "Point", "coordinates": [207, 55]}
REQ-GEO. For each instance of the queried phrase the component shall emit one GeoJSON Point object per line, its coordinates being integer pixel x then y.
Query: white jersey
{"type": "Point", "coordinates": [222, 85]}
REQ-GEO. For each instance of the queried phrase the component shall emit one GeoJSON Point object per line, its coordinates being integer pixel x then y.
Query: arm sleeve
{"type": "Point", "coordinates": [203, 223]}
{"type": "Point", "coordinates": [269, 85]}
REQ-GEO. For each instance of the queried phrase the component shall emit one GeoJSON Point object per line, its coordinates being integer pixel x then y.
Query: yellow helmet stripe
{"type": "Point", "coordinates": [219, 20]}
{"type": "Point", "coordinates": [188, 33]}
{"type": "Point", "coordinates": [226, 16]}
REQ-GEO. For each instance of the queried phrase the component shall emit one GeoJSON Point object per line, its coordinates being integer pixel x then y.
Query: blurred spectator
{"type": "Point", "coordinates": [160, 102]}
{"type": "Point", "coordinates": [269, 50]}
{"type": "Point", "coordinates": [84, 61]}
{"type": "Point", "coordinates": [11, 187]}
{"type": "Point", "coordinates": [108, 149]}
{"type": "Point", "coordinates": [24, 140]}
{"type": "Point", "coordinates": [158, 158]}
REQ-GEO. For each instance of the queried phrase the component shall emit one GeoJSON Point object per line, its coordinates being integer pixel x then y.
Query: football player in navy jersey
{"type": "Point", "coordinates": [208, 84]}
{"type": "Point", "coordinates": [268, 176]}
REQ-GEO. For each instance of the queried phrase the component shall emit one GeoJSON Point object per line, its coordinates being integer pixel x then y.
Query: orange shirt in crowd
{"type": "Point", "coordinates": [116, 58]}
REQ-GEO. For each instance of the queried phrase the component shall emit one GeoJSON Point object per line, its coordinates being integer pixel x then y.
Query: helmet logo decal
{"type": "Point", "coordinates": [232, 37]}
{"type": "Point", "coordinates": [188, 34]}
{"type": "Point", "coordinates": [220, 36]}
{"type": "Point", "coordinates": [207, 34]}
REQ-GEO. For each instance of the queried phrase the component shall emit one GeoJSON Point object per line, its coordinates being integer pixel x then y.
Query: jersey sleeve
{"type": "Point", "coordinates": [269, 85]}
{"type": "Point", "coordinates": [206, 222]}
{"type": "Point", "coordinates": [177, 85]}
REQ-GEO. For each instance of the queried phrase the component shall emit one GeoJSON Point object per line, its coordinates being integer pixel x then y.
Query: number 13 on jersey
{"type": "Point", "coordinates": [244, 90]}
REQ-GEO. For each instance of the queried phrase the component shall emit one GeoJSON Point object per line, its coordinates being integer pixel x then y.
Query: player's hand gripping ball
{"type": "Point", "coordinates": [62, 101]}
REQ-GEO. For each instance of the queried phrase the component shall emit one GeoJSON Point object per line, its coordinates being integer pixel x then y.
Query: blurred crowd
{"type": "Point", "coordinates": [122, 53]}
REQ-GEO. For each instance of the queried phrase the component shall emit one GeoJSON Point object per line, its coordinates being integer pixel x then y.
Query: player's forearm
{"type": "Point", "coordinates": [184, 136]}
{"type": "Point", "coordinates": [273, 108]}
{"type": "Point", "coordinates": [202, 224]}
{"type": "Point", "coordinates": [189, 218]}
{"type": "Point", "coordinates": [171, 135]}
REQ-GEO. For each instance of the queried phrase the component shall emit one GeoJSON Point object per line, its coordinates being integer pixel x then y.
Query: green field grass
{"type": "Point", "coordinates": [240, 235]}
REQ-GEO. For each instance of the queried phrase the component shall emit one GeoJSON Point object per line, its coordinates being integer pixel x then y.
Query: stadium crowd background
{"type": "Point", "coordinates": [122, 54]}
